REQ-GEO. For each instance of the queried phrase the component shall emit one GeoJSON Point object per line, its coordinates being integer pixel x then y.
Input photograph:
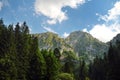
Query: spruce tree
{"type": "Point", "coordinates": [82, 70]}
{"type": "Point", "coordinates": [52, 65]}
{"type": "Point", "coordinates": [37, 70]}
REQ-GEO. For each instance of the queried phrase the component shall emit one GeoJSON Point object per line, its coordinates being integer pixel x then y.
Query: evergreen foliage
{"type": "Point", "coordinates": [21, 59]}
{"type": "Point", "coordinates": [107, 68]}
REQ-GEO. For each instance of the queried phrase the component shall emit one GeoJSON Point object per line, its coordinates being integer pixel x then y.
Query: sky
{"type": "Point", "coordinates": [100, 18]}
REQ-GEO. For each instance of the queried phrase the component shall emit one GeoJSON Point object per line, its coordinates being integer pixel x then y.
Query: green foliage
{"type": "Point", "coordinates": [57, 53]}
{"type": "Point", "coordinates": [22, 59]}
{"type": "Point", "coordinates": [82, 71]}
{"type": "Point", "coordinates": [108, 67]}
{"type": "Point", "coordinates": [7, 70]}
{"type": "Point", "coordinates": [97, 70]}
{"type": "Point", "coordinates": [52, 64]}
{"type": "Point", "coordinates": [64, 76]}
{"type": "Point", "coordinates": [19, 54]}
{"type": "Point", "coordinates": [69, 62]}
{"type": "Point", "coordinates": [113, 62]}
{"type": "Point", "coordinates": [37, 69]}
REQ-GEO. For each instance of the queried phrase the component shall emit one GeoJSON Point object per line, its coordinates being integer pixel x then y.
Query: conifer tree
{"type": "Point", "coordinates": [37, 70]}
{"type": "Point", "coordinates": [82, 71]}
{"type": "Point", "coordinates": [113, 62]}
{"type": "Point", "coordinates": [52, 65]}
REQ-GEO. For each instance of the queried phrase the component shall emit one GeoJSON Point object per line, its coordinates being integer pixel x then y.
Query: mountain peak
{"type": "Point", "coordinates": [79, 33]}
{"type": "Point", "coordinates": [82, 43]}
{"type": "Point", "coordinates": [85, 44]}
{"type": "Point", "coordinates": [115, 39]}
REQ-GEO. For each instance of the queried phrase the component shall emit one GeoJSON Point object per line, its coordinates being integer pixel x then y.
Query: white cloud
{"type": "Point", "coordinates": [65, 35]}
{"type": "Point", "coordinates": [49, 29]}
{"type": "Point", "coordinates": [1, 5]}
{"type": "Point", "coordinates": [85, 30]}
{"type": "Point", "coordinates": [53, 9]}
{"type": "Point", "coordinates": [113, 14]}
{"type": "Point", "coordinates": [105, 32]}
{"type": "Point", "coordinates": [4, 3]}
{"type": "Point", "coordinates": [51, 21]}
{"type": "Point", "coordinates": [110, 28]}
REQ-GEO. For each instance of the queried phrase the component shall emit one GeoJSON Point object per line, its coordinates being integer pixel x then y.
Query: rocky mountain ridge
{"type": "Point", "coordinates": [82, 43]}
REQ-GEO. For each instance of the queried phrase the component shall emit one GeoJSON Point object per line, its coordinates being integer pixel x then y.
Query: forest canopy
{"type": "Point", "coordinates": [21, 59]}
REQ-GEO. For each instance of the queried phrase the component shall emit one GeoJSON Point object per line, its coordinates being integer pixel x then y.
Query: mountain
{"type": "Point", "coordinates": [115, 39]}
{"type": "Point", "coordinates": [82, 43]}
{"type": "Point", "coordinates": [85, 45]}
{"type": "Point", "coordinates": [51, 40]}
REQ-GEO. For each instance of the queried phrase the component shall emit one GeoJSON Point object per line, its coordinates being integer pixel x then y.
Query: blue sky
{"type": "Point", "coordinates": [100, 18]}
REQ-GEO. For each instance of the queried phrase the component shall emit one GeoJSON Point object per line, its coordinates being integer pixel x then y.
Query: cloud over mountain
{"type": "Point", "coordinates": [111, 26]}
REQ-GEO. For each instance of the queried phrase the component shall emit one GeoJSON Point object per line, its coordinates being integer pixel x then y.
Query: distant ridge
{"type": "Point", "coordinates": [82, 43]}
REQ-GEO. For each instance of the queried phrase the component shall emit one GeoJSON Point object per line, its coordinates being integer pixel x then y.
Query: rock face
{"type": "Point", "coordinates": [85, 45]}
{"type": "Point", "coordinates": [82, 43]}
{"type": "Point", "coordinates": [115, 39]}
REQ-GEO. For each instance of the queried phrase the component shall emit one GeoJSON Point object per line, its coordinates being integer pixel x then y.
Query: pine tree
{"type": "Point", "coordinates": [97, 69]}
{"type": "Point", "coordinates": [113, 62]}
{"type": "Point", "coordinates": [52, 65]}
{"type": "Point", "coordinates": [70, 60]}
{"type": "Point", "coordinates": [8, 69]}
{"type": "Point", "coordinates": [37, 70]}
{"type": "Point", "coordinates": [22, 47]}
{"type": "Point", "coordinates": [82, 70]}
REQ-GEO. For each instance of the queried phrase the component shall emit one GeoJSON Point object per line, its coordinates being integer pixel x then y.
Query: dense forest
{"type": "Point", "coordinates": [21, 59]}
